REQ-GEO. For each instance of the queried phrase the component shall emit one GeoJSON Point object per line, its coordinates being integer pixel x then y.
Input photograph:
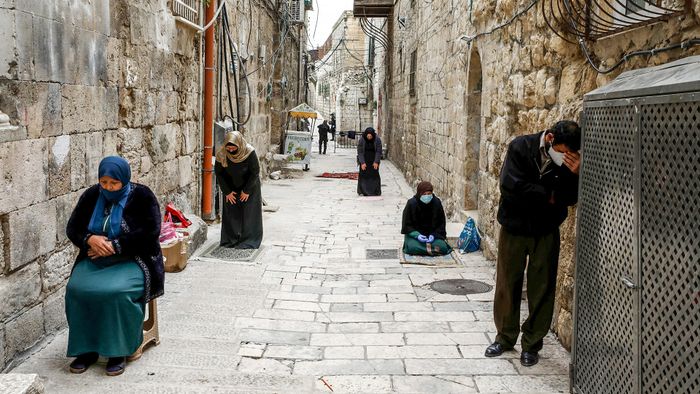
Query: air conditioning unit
{"type": "Point", "coordinates": [296, 11]}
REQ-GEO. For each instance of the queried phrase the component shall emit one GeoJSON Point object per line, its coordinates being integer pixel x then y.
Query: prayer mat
{"type": "Point", "coordinates": [448, 260]}
{"type": "Point", "coordinates": [217, 252]}
{"type": "Point", "coordinates": [339, 175]}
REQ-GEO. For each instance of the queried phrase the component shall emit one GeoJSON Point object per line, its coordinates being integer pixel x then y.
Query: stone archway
{"type": "Point", "coordinates": [473, 131]}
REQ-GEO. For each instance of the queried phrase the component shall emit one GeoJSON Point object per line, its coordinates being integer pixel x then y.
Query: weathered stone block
{"type": "Point", "coordinates": [59, 165]}
{"type": "Point", "coordinates": [110, 142]}
{"type": "Point", "coordinates": [8, 59]}
{"type": "Point", "coordinates": [190, 137]}
{"type": "Point", "coordinates": [24, 332]}
{"type": "Point", "coordinates": [91, 57]}
{"type": "Point", "coordinates": [30, 233]}
{"type": "Point", "coordinates": [21, 383]}
{"type": "Point", "coordinates": [55, 311]}
{"type": "Point", "coordinates": [79, 103]}
{"type": "Point", "coordinates": [48, 51]}
{"type": "Point", "coordinates": [77, 162]}
{"type": "Point", "coordinates": [19, 290]}
{"type": "Point", "coordinates": [93, 156]}
{"type": "Point", "coordinates": [2, 347]}
{"type": "Point", "coordinates": [57, 268]}
{"type": "Point", "coordinates": [161, 142]}
{"type": "Point", "coordinates": [130, 140]}
{"type": "Point", "coordinates": [102, 17]}
{"type": "Point", "coordinates": [64, 208]}
{"type": "Point", "coordinates": [45, 9]}
{"type": "Point", "coordinates": [114, 56]}
{"type": "Point", "coordinates": [23, 169]}
{"type": "Point", "coordinates": [186, 170]}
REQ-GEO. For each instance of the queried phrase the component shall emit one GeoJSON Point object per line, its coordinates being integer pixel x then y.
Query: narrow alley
{"type": "Point", "coordinates": [314, 314]}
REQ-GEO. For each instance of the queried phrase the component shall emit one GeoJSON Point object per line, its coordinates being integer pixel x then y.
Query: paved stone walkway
{"type": "Point", "coordinates": [315, 315]}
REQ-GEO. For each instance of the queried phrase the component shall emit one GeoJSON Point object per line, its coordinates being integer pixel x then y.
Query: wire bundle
{"type": "Point", "coordinates": [374, 32]}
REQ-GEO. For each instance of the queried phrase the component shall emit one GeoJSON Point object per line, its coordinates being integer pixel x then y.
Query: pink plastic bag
{"type": "Point", "coordinates": [167, 230]}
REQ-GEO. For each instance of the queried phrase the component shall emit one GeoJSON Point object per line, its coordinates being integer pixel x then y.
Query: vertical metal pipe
{"type": "Point", "coordinates": [208, 165]}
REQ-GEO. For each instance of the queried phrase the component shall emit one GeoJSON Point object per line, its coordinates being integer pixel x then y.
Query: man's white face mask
{"type": "Point", "coordinates": [557, 157]}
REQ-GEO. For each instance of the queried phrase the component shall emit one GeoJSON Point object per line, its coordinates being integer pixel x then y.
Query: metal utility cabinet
{"type": "Point", "coordinates": [637, 293]}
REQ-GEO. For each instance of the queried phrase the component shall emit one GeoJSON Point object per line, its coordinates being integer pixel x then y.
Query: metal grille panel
{"type": "Point", "coordinates": [670, 246]}
{"type": "Point", "coordinates": [606, 312]}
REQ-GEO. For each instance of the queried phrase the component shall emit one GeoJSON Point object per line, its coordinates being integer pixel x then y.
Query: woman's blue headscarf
{"type": "Point", "coordinates": [118, 168]}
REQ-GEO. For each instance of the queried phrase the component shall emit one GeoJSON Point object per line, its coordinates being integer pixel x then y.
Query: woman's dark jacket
{"type": "Point", "coordinates": [524, 208]}
{"type": "Point", "coordinates": [427, 219]}
{"type": "Point", "coordinates": [361, 150]}
{"type": "Point", "coordinates": [138, 240]}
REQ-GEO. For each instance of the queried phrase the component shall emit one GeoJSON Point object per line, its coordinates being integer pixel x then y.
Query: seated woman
{"type": "Point", "coordinates": [118, 270]}
{"type": "Point", "coordinates": [424, 224]}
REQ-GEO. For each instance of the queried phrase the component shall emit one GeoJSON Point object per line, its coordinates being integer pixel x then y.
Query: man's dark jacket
{"type": "Point", "coordinates": [139, 238]}
{"type": "Point", "coordinates": [524, 208]}
{"type": "Point", "coordinates": [323, 130]}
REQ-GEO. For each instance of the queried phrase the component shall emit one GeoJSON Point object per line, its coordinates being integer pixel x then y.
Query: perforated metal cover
{"type": "Point", "coordinates": [637, 320]}
{"type": "Point", "coordinates": [606, 312]}
{"type": "Point", "coordinates": [670, 247]}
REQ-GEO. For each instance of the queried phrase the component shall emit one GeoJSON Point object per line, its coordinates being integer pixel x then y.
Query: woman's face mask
{"type": "Point", "coordinates": [426, 198]}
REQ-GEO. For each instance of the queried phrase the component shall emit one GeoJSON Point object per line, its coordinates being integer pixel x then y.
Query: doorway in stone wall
{"type": "Point", "coordinates": [473, 131]}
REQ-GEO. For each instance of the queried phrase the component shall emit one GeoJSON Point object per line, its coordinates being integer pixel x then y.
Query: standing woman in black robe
{"type": "Point", "coordinates": [238, 174]}
{"type": "Point", "coordinates": [369, 154]}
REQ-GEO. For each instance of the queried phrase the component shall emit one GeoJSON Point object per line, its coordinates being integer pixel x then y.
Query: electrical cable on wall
{"type": "Point", "coordinates": [226, 47]}
{"type": "Point", "coordinates": [572, 28]}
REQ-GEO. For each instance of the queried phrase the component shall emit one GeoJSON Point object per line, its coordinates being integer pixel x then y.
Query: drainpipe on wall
{"type": "Point", "coordinates": [208, 165]}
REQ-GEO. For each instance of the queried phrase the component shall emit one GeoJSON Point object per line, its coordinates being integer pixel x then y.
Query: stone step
{"type": "Point", "coordinates": [20, 383]}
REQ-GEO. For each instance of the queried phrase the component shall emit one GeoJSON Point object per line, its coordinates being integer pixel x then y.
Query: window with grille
{"type": "Point", "coordinates": [412, 75]}
{"type": "Point", "coordinates": [186, 9]}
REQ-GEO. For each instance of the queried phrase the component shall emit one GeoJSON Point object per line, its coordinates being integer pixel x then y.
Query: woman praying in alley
{"type": "Point", "coordinates": [238, 175]}
{"type": "Point", "coordinates": [423, 224]}
{"type": "Point", "coordinates": [119, 268]}
{"type": "Point", "coordinates": [369, 154]}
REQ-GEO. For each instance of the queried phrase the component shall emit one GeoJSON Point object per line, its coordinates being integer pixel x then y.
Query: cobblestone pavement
{"type": "Point", "coordinates": [314, 314]}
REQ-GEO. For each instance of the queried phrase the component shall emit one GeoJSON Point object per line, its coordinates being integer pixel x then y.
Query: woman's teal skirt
{"type": "Point", "coordinates": [414, 247]}
{"type": "Point", "coordinates": [103, 309]}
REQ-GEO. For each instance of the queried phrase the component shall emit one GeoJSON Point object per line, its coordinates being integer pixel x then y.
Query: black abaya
{"type": "Point", "coordinates": [369, 152]}
{"type": "Point", "coordinates": [241, 223]}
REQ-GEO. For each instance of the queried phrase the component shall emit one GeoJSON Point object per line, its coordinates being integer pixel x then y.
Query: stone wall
{"type": "Point", "coordinates": [472, 99]}
{"type": "Point", "coordinates": [81, 80]}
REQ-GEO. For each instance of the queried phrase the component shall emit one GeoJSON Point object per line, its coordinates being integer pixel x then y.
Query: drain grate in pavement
{"type": "Point", "coordinates": [382, 254]}
{"type": "Point", "coordinates": [231, 254]}
{"type": "Point", "coordinates": [460, 286]}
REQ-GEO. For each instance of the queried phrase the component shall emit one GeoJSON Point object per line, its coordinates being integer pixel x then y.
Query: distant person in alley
{"type": "Point", "coordinates": [238, 175]}
{"type": "Point", "coordinates": [119, 268]}
{"type": "Point", "coordinates": [539, 181]}
{"type": "Point", "coordinates": [323, 130]}
{"type": "Point", "coordinates": [423, 224]}
{"type": "Point", "coordinates": [369, 155]}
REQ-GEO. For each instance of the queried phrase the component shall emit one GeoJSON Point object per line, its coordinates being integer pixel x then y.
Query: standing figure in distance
{"type": "Point", "coordinates": [332, 125]}
{"type": "Point", "coordinates": [369, 155]}
{"type": "Point", "coordinates": [539, 181]}
{"type": "Point", "coordinates": [323, 130]}
{"type": "Point", "coordinates": [238, 174]}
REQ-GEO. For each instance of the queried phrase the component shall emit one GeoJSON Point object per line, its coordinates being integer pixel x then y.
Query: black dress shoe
{"type": "Point", "coordinates": [528, 359]}
{"type": "Point", "coordinates": [494, 350]}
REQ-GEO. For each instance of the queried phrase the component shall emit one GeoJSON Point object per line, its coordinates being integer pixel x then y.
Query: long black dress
{"type": "Point", "coordinates": [368, 152]}
{"type": "Point", "coordinates": [241, 223]}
